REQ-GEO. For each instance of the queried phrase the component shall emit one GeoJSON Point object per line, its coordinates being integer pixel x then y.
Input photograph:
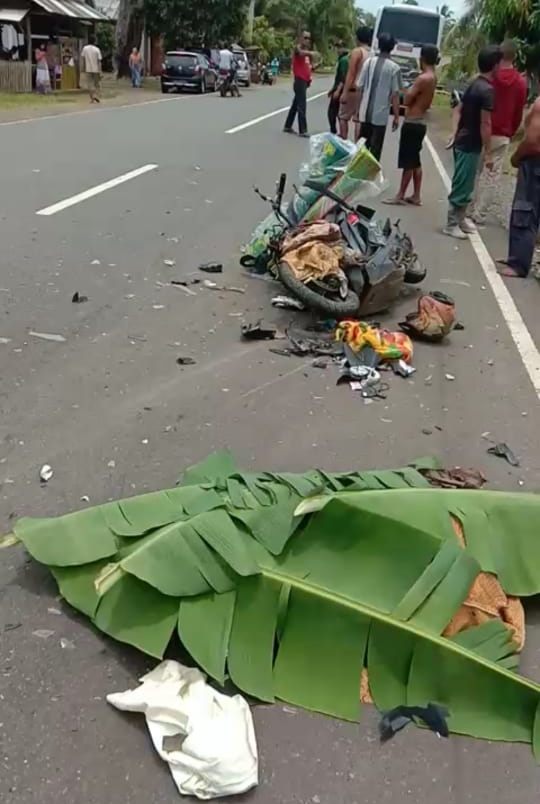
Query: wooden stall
{"type": "Point", "coordinates": [62, 26]}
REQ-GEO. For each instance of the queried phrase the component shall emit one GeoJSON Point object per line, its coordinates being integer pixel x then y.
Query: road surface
{"type": "Point", "coordinates": [112, 412]}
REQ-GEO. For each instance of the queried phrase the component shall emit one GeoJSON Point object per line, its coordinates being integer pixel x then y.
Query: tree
{"type": "Point", "coordinates": [327, 20]}
{"type": "Point", "coordinates": [494, 20]}
{"type": "Point", "coordinates": [364, 17]}
{"type": "Point", "coordinates": [271, 42]}
{"type": "Point", "coordinates": [105, 39]}
{"type": "Point", "coordinates": [129, 28]}
{"type": "Point", "coordinates": [196, 23]}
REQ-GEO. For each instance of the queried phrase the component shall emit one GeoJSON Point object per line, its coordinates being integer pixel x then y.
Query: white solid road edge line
{"type": "Point", "coordinates": [99, 188]}
{"type": "Point", "coordinates": [521, 336]}
{"type": "Point", "coordinates": [260, 119]}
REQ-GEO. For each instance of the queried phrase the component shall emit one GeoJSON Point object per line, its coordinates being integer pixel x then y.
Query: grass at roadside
{"type": "Point", "coordinates": [111, 88]}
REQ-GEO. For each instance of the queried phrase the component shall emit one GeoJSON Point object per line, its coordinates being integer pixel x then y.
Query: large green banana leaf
{"type": "Point", "coordinates": [293, 604]}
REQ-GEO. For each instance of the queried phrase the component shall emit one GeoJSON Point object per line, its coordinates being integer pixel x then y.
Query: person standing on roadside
{"type": "Point", "coordinates": [135, 68]}
{"type": "Point", "coordinates": [337, 89]}
{"type": "Point", "coordinates": [525, 216]}
{"type": "Point", "coordinates": [418, 100]}
{"type": "Point", "coordinates": [378, 86]}
{"type": "Point", "coordinates": [302, 66]}
{"type": "Point", "coordinates": [350, 97]}
{"type": "Point", "coordinates": [471, 142]}
{"type": "Point", "coordinates": [510, 97]}
{"type": "Point", "coordinates": [91, 65]}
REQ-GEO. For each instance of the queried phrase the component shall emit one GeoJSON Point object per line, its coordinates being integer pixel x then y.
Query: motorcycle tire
{"type": "Point", "coordinates": [415, 273]}
{"type": "Point", "coordinates": [333, 308]}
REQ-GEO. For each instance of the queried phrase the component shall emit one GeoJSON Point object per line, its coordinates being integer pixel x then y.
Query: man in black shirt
{"type": "Point", "coordinates": [472, 135]}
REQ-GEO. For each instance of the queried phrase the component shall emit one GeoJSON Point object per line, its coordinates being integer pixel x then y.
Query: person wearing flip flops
{"type": "Point", "coordinates": [418, 100]}
{"type": "Point", "coordinates": [471, 142]}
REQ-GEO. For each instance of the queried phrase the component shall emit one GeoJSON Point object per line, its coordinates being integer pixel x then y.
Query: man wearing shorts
{"type": "Point", "coordinates": [349, 105]}
{"type": "Point", "coordinates": [418, 100]}
{"type": "Point", "coordinates": [91, 65]}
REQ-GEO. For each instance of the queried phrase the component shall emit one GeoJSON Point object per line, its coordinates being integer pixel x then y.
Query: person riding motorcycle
{"type": "Point", "coordinates": [228, 67]}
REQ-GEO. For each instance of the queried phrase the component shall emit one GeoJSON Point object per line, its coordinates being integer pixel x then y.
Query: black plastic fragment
{"type": "Point", "coordinates": [78, 298]}
{"type": "Point", "coordinates": [258, 332]}
{"type": "Point", "coordinates": [502, 450]}
{"type": "Point", "coordinates": [433, 715]}
{"type": "Point", "coordinates": [211, 267]}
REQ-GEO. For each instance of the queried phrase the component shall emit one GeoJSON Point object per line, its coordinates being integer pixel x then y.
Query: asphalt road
{"type": "Point", "coordinates": [112, 412]}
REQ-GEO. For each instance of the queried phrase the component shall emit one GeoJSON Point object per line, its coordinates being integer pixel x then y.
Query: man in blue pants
{"type": "Point", "coordinates": [525, 216]}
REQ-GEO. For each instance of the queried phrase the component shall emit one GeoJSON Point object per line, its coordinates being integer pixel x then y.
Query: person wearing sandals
{"type": "Point", "coordinates": [418, 100]}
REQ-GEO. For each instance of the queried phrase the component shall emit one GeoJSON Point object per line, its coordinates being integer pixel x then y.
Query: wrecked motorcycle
{"type": "Point", "coordinates": [376, 259]}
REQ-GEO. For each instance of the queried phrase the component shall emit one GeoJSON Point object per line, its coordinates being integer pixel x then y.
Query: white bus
{"type": "Point", "coordinates": [411, 26]}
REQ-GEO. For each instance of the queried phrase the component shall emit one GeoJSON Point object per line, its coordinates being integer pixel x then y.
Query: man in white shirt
{"type": "Point", "coordinates": [226, 59]}
{"type": "Point", "coordinates": [228, 65]}
{"type": "Point", "coordinates": [91, 65]}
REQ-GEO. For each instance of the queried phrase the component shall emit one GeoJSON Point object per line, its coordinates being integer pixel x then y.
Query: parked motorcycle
{"type": "Point", "coordinates": [378, 258]}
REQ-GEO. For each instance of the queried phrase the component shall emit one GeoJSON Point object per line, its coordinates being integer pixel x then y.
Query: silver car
{"type": "Point", "coordinates": [243, 72]}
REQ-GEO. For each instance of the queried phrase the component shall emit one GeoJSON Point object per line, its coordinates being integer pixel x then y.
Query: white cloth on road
{"type": "Point", "coordinates": [218, 756]}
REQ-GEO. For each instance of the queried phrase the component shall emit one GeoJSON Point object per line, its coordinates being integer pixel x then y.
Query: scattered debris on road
{"type": "Point", "coordinates": [258, 332]}
{"type": "Point", "coordinates": [78, 298]}
{"type": "Point", "coordinates": [434, 318]}
{"type": "Point", "coordinates": [287, 303]}
{"type": "Point", "coordinates": [455, 478]}
{"type": "Point", "coordinates": [45, 473]}
{"type": "Point", "coordinates": [48, 336]}
{"type": "Point", "coordinates": [186, 361]}
{"type": "Point", "coordinates": [207, 738]}
{"type": "Point", "coordinates": [43, 633]}
{"type": "Point", "coordinates": [432, 715]}
{"type": "Point", "coordinates": [211, 267]}
{"type": "Point", "coordinates": [502, 450]}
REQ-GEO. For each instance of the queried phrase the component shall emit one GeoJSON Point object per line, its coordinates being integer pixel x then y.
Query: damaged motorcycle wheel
{"type": "Point", "coordinates": [313, 300]}
{"type": "Point", "coordinates": [415, 272]}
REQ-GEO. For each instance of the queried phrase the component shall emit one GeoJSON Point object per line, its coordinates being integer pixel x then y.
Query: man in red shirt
{"type": "Point", "coordinates": [510, 91]}
{"type": "Point", "coordinates": [301, 67]}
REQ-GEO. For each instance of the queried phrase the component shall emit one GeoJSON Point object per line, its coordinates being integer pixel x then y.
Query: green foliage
{"type": "Point", "coordinates": [270, 40]}
{"type": "Point", "coordinates": [364, 17]}
{"type": "Point", "coordinates": [327, 20]}
{"type": "Point", "coordinates": [493, 21]}
{"type": "Point", "coordinates": [105, 42]}
{"type": "Point", "coordinates": [291, 584]}
{"type": "Point", "coordinates": [196, 23]}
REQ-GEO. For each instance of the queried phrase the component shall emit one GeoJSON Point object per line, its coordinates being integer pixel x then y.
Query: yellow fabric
{"type": "Point", "coordinates": [314, 260]}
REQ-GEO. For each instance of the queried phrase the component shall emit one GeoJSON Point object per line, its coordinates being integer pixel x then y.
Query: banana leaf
{"type": "Point", "coordinates": [292, 592]}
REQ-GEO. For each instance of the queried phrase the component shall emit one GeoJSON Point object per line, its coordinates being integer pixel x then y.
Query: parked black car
{"type": "Point", "coordinates": [186, 70]}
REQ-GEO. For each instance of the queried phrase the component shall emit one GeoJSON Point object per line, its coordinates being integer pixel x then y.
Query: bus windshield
{"type": "Point", "coordinates": [416, 28]}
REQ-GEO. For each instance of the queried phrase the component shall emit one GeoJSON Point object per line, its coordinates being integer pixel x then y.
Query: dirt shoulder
{"type": "Point", "coordinates": [27, 106]}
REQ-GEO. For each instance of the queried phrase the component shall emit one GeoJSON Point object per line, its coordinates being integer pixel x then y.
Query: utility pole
{"type": "Point", "coordinates": [251, 18]}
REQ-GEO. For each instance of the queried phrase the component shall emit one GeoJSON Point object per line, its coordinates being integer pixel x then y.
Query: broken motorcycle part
{"type": "Point", "coordinates": [433, 715]}
{"type": "Point", "coordinates": [502, 450]}
{"type": "Point", "coordinates": [258, 332]}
